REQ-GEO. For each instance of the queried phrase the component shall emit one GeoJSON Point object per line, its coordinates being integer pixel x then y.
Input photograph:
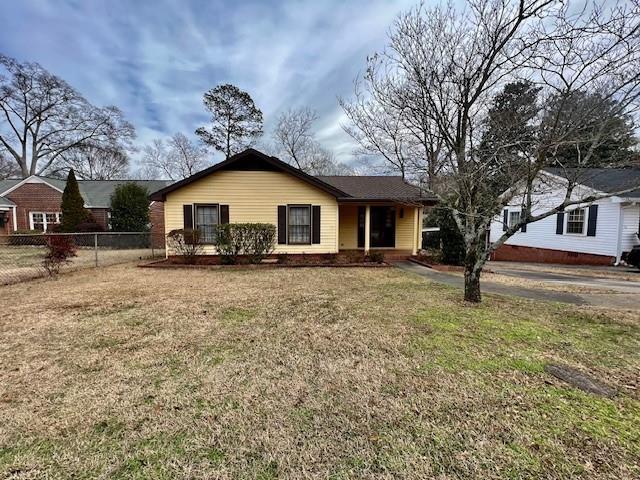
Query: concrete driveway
{"type": "Point", "coordinates": [625, 294]}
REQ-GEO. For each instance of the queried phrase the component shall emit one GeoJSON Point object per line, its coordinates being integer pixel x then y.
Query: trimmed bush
{"type": "Point", "coordinates": [185, 242]}
{"type": "Point", "coordinates": [256, 241]}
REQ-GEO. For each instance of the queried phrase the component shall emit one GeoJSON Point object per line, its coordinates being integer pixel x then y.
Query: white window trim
{"type": "Point", "coordinates": [309, 207]}
{"type": "Point", "coordinates": [45, 224]}
{"type": "Point", "coordinates": [585, 224]}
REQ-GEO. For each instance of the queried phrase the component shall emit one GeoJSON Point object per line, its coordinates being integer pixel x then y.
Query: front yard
{"type": "Point", "coordinates": [306, 373]}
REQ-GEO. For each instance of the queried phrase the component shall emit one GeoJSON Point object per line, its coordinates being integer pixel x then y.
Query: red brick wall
{"type": "Point", "coordinates": [34, 197]}
{"type": "Point", "coordinates": [101, 216]}
{"type": "Point", "coordinates": [515, 253]}
{"type": "Point", "coordinates": [156, 217]}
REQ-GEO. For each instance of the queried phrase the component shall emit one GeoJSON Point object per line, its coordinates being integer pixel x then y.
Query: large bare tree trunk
{"type": "Point", "coordinates": [472, 271]}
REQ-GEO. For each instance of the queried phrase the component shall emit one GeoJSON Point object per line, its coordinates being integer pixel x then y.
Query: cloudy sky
{"type": "Point", "coordinates": [155, 59]}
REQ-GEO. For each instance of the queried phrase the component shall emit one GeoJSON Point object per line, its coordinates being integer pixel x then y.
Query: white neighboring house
{"type": "Point", "coordinates": [596, 233]}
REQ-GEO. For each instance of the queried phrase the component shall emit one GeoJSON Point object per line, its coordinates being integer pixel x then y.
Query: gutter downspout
{"type": "Point", "coordinates": [15, 219]}
{"type": "Point", "coordinates": [620, 229]}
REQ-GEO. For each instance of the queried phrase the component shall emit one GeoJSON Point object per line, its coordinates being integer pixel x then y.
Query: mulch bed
{"type": "Point", "coordinates": [172, 264]}
{"type": "Point", "coordinates": [436, 266]}
{"type": "Point", "coordinates": [440, 267]}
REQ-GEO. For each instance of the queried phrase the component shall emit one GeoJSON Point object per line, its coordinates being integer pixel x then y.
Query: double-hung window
{"type": "Point", "coordinates": [299, 228]}
{"type": "Point", "coordinates": [207, 220]}
{"type": "Point", "coordinates": [575, 221]}
{"type": "Point", "coordinates": [43, 221]}
{"type": "Point", "coordinates": [514, 218]}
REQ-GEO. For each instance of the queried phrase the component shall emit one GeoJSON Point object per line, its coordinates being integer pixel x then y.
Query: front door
{"type": "Point", "coordinates": [383, 227]}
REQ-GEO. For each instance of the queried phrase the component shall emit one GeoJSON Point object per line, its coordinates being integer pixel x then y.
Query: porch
{"type": "Point", "coordinates": [392, 228]}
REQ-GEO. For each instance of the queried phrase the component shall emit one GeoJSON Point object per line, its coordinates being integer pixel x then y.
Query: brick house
{"type": "Point", "coordinates": [33, 203]}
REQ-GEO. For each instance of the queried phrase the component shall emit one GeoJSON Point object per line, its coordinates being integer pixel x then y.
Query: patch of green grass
{"type": "Point", "coordinates": [109, 427]}
{"type": "Point", "coordinates": [268, 471]}
{"type": "Point", "coordinates": [215, 455]}
{"type": "Point", "coordinates": [597, 417]}
{"type": "Point", "coordinates": [236, 315]}
{"type": "Point", "coordinates": [486, 338]}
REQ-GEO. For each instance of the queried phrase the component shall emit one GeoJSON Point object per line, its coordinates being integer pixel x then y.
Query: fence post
{"type": "Point", "coordinates": [95, 246]}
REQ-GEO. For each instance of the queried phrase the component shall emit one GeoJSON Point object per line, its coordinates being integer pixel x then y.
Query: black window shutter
{"type": "Point", "coordinates": [524, 227]}
{"type": "Point", "coordinates": [282, 224]}
{"type": "Point", "coordinates": [560, 223]}
{"type": "Point", "coordinates": [505, 220]}
{"type": "Point", "coordinates": [187, 213]}
{"type": "Point", "coordinates": [315, 224]}
{"type": "Point", "coordinates": [592, 221]}
{"type": "Point", "coordinates": [224, 214]}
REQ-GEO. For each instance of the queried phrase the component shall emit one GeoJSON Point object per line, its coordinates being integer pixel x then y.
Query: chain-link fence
{"type": "Point", "coordinates": [22, 256]}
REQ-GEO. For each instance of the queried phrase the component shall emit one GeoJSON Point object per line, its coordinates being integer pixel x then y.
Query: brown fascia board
{"type": "Point", "coordinates": [405, 201]}
{"type": "Point", "coordinates": [160, 195]}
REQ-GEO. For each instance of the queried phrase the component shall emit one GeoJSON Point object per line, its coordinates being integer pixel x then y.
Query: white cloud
{"type": "Point", "coordinates": [155, 60]}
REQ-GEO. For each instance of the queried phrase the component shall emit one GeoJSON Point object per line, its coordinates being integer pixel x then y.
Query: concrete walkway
{"type": "Point", "coordinates": [627, 296]}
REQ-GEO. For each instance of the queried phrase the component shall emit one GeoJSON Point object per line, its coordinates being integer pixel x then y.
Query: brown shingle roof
{"type": "Point", "coordinates": [352, 188]}
{"type": "Point", "coordinates": [360, 187]}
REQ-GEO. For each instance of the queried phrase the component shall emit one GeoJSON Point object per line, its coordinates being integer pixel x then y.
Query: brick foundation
{"type": "Point", "coordinates": [515, 253]}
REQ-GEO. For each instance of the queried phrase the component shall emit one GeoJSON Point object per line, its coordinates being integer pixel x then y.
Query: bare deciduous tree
{"type": "Point", "coordinates": [42, 117]}
{"type": "Point", "coordinates": [175, 159]}
{"type": "Point", "coordinates": [8, 168]}
{"type": "Point", "coordinates": [294, 141]}
{"type": "Point", "coordinates": [460, 60]}
{"type": "Point", "coordinates": [387, 118]}
{"type": "Point", "coordinates": [93, 162]}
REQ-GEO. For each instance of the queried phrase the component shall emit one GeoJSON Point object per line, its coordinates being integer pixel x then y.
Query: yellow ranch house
{"type": "Point", "coordinates": [312, 214]}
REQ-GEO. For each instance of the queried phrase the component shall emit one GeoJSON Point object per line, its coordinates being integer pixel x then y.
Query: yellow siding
{"type": "Point", "coordinates": [405, 227]}
{"type": "Point", "coordinates": [348, 227]}
{"type": "Point", "coordinates": [254, 196]}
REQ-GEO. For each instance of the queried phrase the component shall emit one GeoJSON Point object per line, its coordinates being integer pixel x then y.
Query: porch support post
{"type": "Point", "coordinates": [416, 229]}
{"type": "Point", "coordinates": [367, 228]}
{"type": "Point", "coordinates": [337, 228]}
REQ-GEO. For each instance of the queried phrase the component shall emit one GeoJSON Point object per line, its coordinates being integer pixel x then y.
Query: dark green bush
{"type": "Point", "coordinates": [633, 257]}
{"type": "Point", "coordinates": [130, 208]}
{"type": "Point", "coordinates": [448, 239]}
{"type": "Point", "coordinates": [72, 206]}
{"type": "Point", "coordinates": [256, 241]}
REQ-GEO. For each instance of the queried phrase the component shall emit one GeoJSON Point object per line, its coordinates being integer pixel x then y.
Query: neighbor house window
{"type": "Point", "coordinates": [300, 225]}
{"type": "Point", "coordinates": [206, 222]}
{"type": "Point", "coordinates": [44, 221]}
{"type": "Point", "coordinates": [514, 218]}
{"type": "Point", "coordinates": [575, 221]}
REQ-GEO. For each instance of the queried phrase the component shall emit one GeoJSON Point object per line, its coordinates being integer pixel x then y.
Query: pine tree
{"type": "Point", "coordinates": [73, 211]}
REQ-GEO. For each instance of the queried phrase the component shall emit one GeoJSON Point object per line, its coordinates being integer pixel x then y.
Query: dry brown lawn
{"type": "Point", "coordinates": [123, 372]}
